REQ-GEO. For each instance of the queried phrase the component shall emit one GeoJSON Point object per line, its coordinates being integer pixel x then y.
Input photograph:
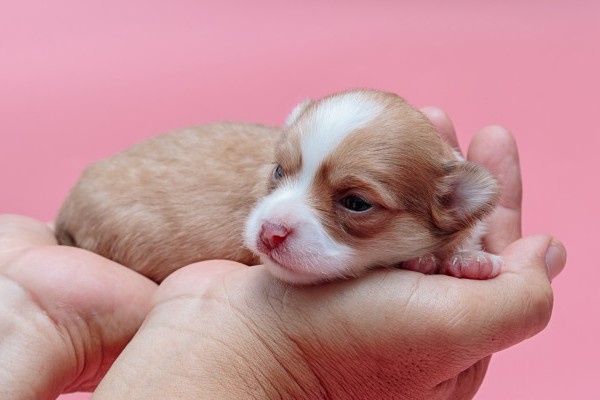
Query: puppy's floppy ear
{"type": "Point", "coordinates": [297, 112]}
{"type": "Point", "coordinates": [465, 194]}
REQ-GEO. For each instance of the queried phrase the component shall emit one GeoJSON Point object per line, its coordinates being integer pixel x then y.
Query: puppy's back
{"type": "Point", "coordinates": [171, 200]}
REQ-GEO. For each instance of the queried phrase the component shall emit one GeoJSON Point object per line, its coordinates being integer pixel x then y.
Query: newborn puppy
{"type": "Point", "coordinates": [357, 180]}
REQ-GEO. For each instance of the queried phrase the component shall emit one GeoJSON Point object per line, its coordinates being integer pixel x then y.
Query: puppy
{"type": "Point", "coordinates": [357, 180]}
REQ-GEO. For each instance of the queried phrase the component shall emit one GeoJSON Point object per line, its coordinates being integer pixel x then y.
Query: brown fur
{"type": "Point", "coordinates": [171, 200]}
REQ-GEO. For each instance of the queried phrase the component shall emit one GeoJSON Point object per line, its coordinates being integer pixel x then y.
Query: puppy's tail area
{"type": "Point", "coordinates": [64, 236]}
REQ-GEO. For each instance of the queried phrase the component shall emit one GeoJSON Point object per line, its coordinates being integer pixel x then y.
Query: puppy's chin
{"type": "Point", "coordinates": [296, 274]}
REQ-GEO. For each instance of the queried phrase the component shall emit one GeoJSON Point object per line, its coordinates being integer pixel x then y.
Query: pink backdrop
{"type": "Point", "coordinates": [82, 80]}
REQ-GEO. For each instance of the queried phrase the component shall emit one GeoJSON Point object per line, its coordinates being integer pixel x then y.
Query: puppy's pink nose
{"type": "Point", "coordinates": [272, 235]}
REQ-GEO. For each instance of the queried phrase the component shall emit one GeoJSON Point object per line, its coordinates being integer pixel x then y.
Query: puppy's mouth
{"type": "Point", "coordinates": [276, 256]}
{"type": "Point", "coordinates": [280, 262]}
{"type": "Point", "coordinates": [293, 273]}
{"type": "Point", "coordinates": [295, 262]}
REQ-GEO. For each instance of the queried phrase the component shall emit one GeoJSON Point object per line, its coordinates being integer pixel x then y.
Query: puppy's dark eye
{"type": "Point", "coordinates": [278, 173]}
{"type": "Point", "coordinates": [355, 203]}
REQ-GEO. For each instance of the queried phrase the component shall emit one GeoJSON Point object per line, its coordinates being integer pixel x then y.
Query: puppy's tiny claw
{"type": "Point", "coordinates": [428, 264]}
{"type": "Point", "coordinates": [472, 265]}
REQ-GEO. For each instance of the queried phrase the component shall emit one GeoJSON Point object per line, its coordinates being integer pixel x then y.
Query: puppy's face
{"type": "Point", "coordinates": [361, 179]}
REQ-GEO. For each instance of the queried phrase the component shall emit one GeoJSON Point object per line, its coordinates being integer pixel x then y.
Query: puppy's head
{"type": "Point", "coordinates": [361, 179]}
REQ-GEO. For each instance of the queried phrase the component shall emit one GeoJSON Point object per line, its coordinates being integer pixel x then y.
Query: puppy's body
{"type": "Point", "coordinates": [357, 180]}
{"type": "Point", "coordinates": [173, 199]}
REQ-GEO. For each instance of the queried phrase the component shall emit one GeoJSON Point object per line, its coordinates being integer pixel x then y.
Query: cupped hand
{"type": "Point", "coordinates": [65, 313]}
{"type": "Point", "coordinates": [222, 330]}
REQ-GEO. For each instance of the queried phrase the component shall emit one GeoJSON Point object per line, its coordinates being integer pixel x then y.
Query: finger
{"type": "Point", "coordinates": [192, 279]}
{"type": "Point", "coordinates": [523, 289]}
{"type": "Point", "coordinates": [495, 148]}
{"type": "Point", "coordinates": [18, 232]}
{"type": "Point", "coordinates": [443, 125]}
{"type": "Point", "coordinates": [551, 256]}
{"type": "Point", "coordinates": [515, 305]}
{"type": "Point", "coordinates": [97, 304]}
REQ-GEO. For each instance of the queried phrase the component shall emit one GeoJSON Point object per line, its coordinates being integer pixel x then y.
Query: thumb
{"type": "Point", "coordinates": [515, 305]}
{"type": "Point", "coordinates": [535, 254]}
{"type": "Point", "coordinates": [521, 294]}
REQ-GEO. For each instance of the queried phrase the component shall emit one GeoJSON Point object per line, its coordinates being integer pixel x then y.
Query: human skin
{"type": "Point", "coordinates": [222, 330]}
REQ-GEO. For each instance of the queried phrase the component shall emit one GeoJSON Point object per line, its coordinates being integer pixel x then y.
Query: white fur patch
{"type": "Point", "coordinates": [458, 155]}
{"type": "Point", "coordinates": [474, 241]}
{"type": "Point", "coordinates": [474, 190]}
{"type": "Point", "coordinates": [330, 123]}
{"type": "Point", "coordinates": [297, 111]}
{"type": "Point", "coordinates": [309, 254]}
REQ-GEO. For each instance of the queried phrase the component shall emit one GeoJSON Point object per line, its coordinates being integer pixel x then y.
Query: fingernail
{"type": "Point", "coordinates": [556, 258]}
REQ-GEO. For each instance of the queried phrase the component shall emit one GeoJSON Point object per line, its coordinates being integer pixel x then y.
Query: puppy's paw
{"type": "Point", "coordinates": [427, 265]}
{"type": "Point", "coordinates": [472, 265]}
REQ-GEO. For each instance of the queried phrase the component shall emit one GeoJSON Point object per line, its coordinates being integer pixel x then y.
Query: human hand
{"type": "Point", "coordinates": [221, 330]}
{"type": "Point", "coordinates": [65, 313]}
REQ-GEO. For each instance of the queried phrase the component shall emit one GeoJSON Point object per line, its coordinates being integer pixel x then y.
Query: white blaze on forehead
{"type": "Point", "coordinates": [331, 121]}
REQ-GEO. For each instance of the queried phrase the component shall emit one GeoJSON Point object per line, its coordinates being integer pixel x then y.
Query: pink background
{"type": "Point", "coordinates": [82, 80]}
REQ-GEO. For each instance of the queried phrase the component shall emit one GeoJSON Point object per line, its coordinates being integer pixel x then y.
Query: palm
{"type": "Point", "coordinates": [389, 323]}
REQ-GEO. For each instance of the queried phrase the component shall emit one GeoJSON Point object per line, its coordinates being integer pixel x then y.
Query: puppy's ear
{"type": "Point", "coordinates": [466, 194]}
{"type": "Point", "coordinates": [297, 112]}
